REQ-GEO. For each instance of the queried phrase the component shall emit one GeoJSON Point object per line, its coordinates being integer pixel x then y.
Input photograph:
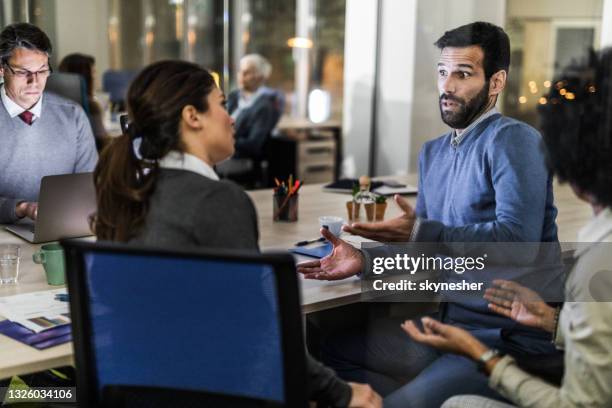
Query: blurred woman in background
{"type": "Point", "coordinates": [85, 66]}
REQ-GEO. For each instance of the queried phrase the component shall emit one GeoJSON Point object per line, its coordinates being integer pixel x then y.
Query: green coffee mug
{"type": "Point", "coordinates": [51, 256]}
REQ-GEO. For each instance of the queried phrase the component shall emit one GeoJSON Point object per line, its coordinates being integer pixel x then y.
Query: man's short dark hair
{"type": "Point", "coordinates": [23, 35]}
{"type": "Point", "coordinates": [576, 124]}
{"type": "Point", "coordinates": [492, 39]}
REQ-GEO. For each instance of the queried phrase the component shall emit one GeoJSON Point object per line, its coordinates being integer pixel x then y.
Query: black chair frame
{"type": "Point", "coordinates": [290, 319]}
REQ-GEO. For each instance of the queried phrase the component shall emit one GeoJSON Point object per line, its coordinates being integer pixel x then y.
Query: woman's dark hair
{"type": "Point", "coordinates": [80, 64]}
{"type": "Point", "coordinates": [576, 125]}
{"type": "Point", "coordinates": [124, 182]}
{"type": "Point", "coordinates": [492, 39]}
{"type": "Point", "coordinates": [23, 35]}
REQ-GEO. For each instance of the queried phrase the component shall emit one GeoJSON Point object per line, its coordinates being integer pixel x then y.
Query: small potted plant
{"type": "Point", "coordinates": [353, 206]}
{"type": "Point", "coordinates": [381, 207]}
{"type": "Point", "coordinates": [370, 210]}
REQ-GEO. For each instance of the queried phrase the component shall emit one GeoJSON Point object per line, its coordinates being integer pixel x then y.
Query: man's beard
{"type": "Point", "coordinates": [466, 112]}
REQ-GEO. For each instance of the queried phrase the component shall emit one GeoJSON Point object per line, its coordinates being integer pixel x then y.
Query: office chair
{"type": "Point", "coordinates": [116, 83]}
{"type": "Point", "coordinates": [196, 325]}
{"type": "Point", "coordinates": [130, 397]}
{"type": "Point", "coordinates": [69, 86]}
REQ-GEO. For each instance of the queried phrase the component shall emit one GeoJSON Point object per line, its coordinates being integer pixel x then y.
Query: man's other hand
{"type": "Point", "coordinates": [397, 229]}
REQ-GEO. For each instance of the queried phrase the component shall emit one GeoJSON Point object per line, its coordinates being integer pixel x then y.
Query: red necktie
{"type": "Point", "coordinates": [27, 117]}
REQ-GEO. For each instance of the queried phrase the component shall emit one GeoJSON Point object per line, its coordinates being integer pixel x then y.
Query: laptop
{"type": "Point", "coordinates": [65, 203]}
{"type": "Point", "coordinates": [384, 187]}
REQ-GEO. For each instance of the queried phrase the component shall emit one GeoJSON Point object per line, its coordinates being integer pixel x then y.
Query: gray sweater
{"type": "Point", "coordinates": [59, 142]}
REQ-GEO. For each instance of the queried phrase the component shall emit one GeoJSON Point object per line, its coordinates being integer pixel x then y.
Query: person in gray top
{"type": "Point", "coordinates": [169, 196]}
{"type": "Point", "coordinates": [42, 134]}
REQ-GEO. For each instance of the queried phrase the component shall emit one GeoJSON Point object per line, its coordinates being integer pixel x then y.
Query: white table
{"type": "Point", "coordinates": [17, 358]}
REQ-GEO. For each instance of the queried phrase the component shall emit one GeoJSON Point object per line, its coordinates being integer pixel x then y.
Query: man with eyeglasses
{"type": "Point", "coordinates": [41, 134]}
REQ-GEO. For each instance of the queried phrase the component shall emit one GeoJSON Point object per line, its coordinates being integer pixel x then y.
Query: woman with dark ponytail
{"type": "Point", "coordinates": [168, 194]}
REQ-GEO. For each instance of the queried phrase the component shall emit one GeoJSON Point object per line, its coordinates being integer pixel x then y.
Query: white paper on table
{"type": "Point", "coordinates": [354, 240]}
{"type": "Point", "coordinates": [38, 311]}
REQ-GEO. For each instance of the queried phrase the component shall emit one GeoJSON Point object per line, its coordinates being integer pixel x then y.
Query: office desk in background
{"type": "Point", "coordinates": [17, 358]}
{"type": "Point", "coordinates": [311, 151]}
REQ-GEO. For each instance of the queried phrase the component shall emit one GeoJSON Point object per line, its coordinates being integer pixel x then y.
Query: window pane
{"type": "Point", "coordinates": [544, 41]}
{"type": "Point", "coordinates": [268, 25]}
{"type": "Point", "coordinates": [145, 31]}
{"type": "Point", "coordinates": [204, 41]}
{"type": "Point", "coordinates": [163, 29]}
{"type": "Point", "coordinates": [328, 51]}
{"type": "Point", "coordinates": [125, 28]}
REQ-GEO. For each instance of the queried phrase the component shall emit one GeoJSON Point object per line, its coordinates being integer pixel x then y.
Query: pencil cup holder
{"type": "Point", "coordinates": [285, 208]}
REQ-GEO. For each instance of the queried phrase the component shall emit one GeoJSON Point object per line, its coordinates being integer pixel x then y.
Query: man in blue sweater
{"type": "Point", "coordinates": [484, 181]}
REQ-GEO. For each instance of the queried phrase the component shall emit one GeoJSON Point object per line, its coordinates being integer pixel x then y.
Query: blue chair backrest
{"type": "Point", "coordinates": [116, 83]}
{"type": "Point", "coordinates": [183, 321]}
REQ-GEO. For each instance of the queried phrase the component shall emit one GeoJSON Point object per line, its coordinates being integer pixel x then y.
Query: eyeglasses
{"type": "Point", "coordinates": [24, 73]}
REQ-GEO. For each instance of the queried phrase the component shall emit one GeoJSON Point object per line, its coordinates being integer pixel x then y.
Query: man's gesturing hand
{"type": "Point", "coordinates": [344, 261]}
{"type": "Point", "coordinates": [397, 229]}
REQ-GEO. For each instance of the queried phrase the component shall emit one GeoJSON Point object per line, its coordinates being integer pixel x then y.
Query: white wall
{"type": "Point", "coordinates": [606, 24]}
{"type": "Point", "coordinates": [396, 86]}
{"type": "Point", "coordinates": [7, 8]}
{"type": "Point", "coordinates": [359, 70]}
{"type": "Point", "coordinates": [82, 27]}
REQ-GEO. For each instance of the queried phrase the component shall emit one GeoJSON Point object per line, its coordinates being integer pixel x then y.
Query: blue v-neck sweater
{"type": "Point", "coordinates": [492, 187]}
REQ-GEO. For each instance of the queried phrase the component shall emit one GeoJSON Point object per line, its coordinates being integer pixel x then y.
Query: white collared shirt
{"type": "Point", "coordinates": [15, 110]}
{"type": "Point", "coordinates": [598, 229]}
{"type": "Point", "coordinates": [592, 256]}
{"type": "Point", "coordinates": [458, 136]}
{"type": "Point", "coordinates": [185, 161]}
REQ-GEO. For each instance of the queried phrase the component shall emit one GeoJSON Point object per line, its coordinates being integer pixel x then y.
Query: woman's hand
{"type": "Point", "coordinates": [445, 337]}
{"type": "Point", "coordinates": [521, 304]}
{"type": "Point", "coordinates": [364, 397]}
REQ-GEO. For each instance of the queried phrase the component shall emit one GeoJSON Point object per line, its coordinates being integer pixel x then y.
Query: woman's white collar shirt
{"type": "Point", "coordinates": [185, 161]}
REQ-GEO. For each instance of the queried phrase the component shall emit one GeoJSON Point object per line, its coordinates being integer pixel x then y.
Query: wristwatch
{"type": "Point", "coordinates": [486, 357]}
